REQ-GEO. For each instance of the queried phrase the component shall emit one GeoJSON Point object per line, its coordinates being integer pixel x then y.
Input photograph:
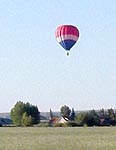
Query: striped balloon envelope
{"type": "Point", "coordinates": [67, 36]}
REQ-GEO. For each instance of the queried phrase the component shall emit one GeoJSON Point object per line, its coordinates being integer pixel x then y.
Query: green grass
{"type": "Point", "coordinates": [36, 138]}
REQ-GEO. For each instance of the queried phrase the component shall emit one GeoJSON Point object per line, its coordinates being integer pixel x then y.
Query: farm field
{"type": "Point", "coordinates": [65, 138]}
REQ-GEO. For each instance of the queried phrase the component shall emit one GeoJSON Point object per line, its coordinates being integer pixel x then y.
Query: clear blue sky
{"type": "Point", "coordinates": [34, 67]}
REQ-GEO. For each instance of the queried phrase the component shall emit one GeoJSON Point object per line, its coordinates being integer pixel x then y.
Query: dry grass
{"type": "Point", "coordinates": [36, 138]}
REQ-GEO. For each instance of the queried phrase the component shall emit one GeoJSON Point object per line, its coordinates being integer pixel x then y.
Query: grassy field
{"type": "Point", "coordinates": [36, 138]}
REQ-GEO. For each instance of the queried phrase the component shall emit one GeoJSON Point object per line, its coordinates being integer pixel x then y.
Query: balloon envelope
{"type": "Point", "coordinates": [67, 36]}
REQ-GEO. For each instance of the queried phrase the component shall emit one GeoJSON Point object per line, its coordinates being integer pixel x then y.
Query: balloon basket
{"type": "Point", "coordinates": [67, 53]}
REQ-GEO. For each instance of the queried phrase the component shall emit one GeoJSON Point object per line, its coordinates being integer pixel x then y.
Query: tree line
{"type": "Point", "coordinates": [26, 114]}
{"type": "Point", "coordinates": [103, 117]}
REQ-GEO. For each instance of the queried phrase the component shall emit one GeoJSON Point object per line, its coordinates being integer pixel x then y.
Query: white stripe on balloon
{"type": "Point", "coordinates": [67, 37]}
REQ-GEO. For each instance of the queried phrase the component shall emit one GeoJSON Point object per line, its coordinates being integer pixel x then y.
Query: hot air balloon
{"type": "Point", "coordinates": [67, 36]}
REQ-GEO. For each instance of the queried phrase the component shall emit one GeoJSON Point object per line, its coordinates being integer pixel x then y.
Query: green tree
{"type": "Point", "coordinates": [92, 118]}
{"type": "Point", "coordinates": [89, 118]}
{"type": "Point", "coordinates": [51, 114]}
{"type": "Point", "coordinates": [17, 113]}
{"type": "Point", "coordinates": [27, 120]}
{"type": "Point", "coordinates": [33, 112]}
{"type": "Point", "coordinates": [65, 111]}
{"type": "Point", "coordinates": [111, 117]}
{"type": "Point", "coordinates": [22, 111]}
{"type": "Point", "coordinates": [102, 113]}
{"type": "Point", "coordinates": [111, 114]}
{"type": "Point", "coordinates": [80, 118]}
{"type": "Point", "coordinates": [72, 115]}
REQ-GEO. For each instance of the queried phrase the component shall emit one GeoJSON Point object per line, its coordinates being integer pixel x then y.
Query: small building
{"type": "Point", "coordinates": [62, 120]}
{"type": "Point", "coordinates": [104, 122]}
{"type": "Point", "coordinates": [58, 120]}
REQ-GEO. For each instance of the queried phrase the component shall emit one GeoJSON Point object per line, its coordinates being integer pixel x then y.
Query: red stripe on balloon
{"type": "Point", "coordinates": [66, 29]}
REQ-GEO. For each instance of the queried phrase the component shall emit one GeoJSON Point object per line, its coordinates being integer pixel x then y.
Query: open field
{"type": "Point", "coordinates": [36, 138]}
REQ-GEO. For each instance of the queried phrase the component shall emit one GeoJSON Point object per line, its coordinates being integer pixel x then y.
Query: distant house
{"type": "Point", "coordinates": [104, 122]}
{"type": "Point", "coordinates": [53, 120]}
{"type": "Point", "coordinates": [58, 120]}
{"type": "Point", "coordinates": [62, 120]}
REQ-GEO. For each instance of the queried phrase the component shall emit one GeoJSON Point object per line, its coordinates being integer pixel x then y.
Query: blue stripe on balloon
{"type": "Point", "coordinates": [67, 44]}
